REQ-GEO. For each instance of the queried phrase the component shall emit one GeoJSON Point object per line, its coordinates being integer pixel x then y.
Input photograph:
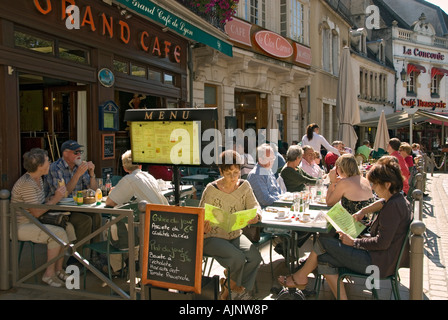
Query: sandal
{"type": "Point", "coordinates": [52, 281]}
{"type": "Point", "coordinates": [62, 275]}
{"type": "Point", "coordinates": [224, 289]}
{"type": "Point", "coordinates": [296, 285]}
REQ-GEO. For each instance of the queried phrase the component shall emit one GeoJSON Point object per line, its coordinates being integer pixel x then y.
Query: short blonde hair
{"type": "Point", "coordinates": [404, 146]}
{"type": "Point", "coordinates": [126, 159]}
{"type": "Point", "coordinates": [348, 165]}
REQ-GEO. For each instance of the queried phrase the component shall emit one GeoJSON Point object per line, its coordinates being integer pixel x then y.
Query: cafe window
{"type": "Point", "coordinates": [257, 12]}
{"type": "Point", "coordinates": [210, 96]}
{"type": "Point", "coordinates": [168, 79]}
{"type": "Point", "coordinates": [435, 83]}
{"type": "Point", "coordinates": [121, 66]}
{"type": "Point", "coordinates": [69, 52]}
{"type": "Point", "coordinates": [292, 20]}
{"type": "Point", "coordinates": [33, 42]}
{"type": "Point", "coordinates": [138, 71]}
{"type": "Point", "coordinates": [411, 85]}
{"type": "Point", "coordinates": [154, 75]}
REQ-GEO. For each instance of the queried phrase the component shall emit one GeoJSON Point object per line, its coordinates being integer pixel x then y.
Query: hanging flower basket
{"type": "Point", "coordinates": [222, 9]}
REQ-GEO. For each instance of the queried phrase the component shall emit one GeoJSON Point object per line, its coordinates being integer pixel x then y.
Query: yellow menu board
{"type": "Point", "coordinates": [166, 142]}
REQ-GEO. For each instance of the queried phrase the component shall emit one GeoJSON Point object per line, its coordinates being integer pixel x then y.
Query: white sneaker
{"type": "Point", "coordinates": [52, 281]}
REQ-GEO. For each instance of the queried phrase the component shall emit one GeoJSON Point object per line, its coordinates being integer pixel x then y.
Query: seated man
{"type": "Point", "coordinates": [330, 158]}
{"type": "Point", "coordinates": [365, 149]}
{"type": "Point", "coordinates": [293, 175]}
{"type": "Point", "coordinates": [77, 175]}
{"type": "Point", "coordinates": [138, 184]}
{"type": "Point", "coordinates": [262, 179]}
{"type": "Point", "coordinates": [308, 163]}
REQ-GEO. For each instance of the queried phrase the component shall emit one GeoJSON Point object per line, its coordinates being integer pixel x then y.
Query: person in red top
{"type": "Point", "coordinates": [330, 158]}
{"type": "Point", "coordinates": [392, 149]}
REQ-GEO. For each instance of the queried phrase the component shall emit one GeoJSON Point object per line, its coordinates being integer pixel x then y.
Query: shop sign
{"type": "Point", "coordinates": [423, 54]}
{"type": "Point", "coordinates": [239, 31]}
{"type": "Point", "coordinates": [303, 54]}
{"type": "Point", "coordinates": [274, 44]}
{"type": "Point", "coordinates": [182, 27]}
{"type": "Point", "coordinates": [423, 104]}
{"type": "Point", "coordinates": [110, 27]}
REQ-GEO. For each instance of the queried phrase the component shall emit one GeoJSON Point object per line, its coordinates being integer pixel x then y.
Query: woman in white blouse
{"type": "Point", "coordinates": [314, 139]}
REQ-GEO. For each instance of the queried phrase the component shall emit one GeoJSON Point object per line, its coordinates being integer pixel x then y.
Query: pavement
{"type": "Point", "coordinates": [435, 273]}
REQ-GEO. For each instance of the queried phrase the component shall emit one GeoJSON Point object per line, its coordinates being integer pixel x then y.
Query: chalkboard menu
{"type": "Point", "coordinates": [108, 146]}
{"type": "Point", "coordinates": [173, 240]}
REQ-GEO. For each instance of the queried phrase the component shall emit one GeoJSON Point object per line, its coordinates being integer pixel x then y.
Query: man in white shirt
{"type": "Point", "coordinates": [136, 183]}
{"type": "Point", "coordinates": [308, 164]}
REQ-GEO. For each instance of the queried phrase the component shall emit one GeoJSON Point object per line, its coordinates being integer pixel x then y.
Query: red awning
{"type": "Point", "coordinates": [415, 67]}
{"type": "Point", "coordinates": [438, 71]}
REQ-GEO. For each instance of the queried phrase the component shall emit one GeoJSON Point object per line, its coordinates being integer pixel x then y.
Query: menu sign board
{"type": "Point", "coordinates": [172, 250]}
{"type": "Point", "coordinates": [166, 142]}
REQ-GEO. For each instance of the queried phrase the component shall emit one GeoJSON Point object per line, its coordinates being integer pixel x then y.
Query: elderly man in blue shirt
{"type": "Point", "coordinates": [262, 178]}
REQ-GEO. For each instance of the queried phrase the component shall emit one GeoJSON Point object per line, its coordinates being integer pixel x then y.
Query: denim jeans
{"type": "Point", "coordinates": [332, 254]}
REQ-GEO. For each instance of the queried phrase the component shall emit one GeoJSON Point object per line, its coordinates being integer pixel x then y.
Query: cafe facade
{"type": "Point", "coordinates": [267, 76]}
{"type": "Point", "coordinates": [73, 74]}
{"type": "Point", "coordinates": [421, 61]}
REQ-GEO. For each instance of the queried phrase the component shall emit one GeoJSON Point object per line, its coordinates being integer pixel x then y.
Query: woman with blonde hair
{"type": "Point", "coordinates": [348, 185]}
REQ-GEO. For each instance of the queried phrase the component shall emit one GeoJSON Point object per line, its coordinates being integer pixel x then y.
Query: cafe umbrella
{"type": "Point", "coordinates": [347, 107]}
{"type": "Point", "coordinates": [382, 134]}
{"type": "Point", "coordinates": [272, 133]}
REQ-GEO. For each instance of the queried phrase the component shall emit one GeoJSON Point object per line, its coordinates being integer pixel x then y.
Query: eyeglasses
{"type": "Point", "coordinates": [77, 152]}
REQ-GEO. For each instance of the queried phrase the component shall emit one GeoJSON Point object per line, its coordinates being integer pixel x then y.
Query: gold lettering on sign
{"type": "Point", "coordinates": [161, 115]}
{"type": "Point", "coordinates": [148, 116]}
{"type": "Point", "coordinates": [185, 115]}
{"type": "Point", "coordinates": [173, 115]}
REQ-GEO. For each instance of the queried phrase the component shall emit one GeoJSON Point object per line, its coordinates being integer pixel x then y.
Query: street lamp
{"type": "Point", "coordinates": [403, 74]}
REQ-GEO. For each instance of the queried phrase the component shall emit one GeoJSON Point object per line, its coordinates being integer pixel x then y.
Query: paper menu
{"type": "Point", "coordinates": [228, 221]}
{"type": "Point", "coordinates": [341, 220]}
{"type": "Point", "coordinates": [166, 142]}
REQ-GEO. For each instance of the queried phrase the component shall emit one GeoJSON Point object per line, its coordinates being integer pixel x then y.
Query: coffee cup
{"type": "Point", "coordinates": [306, 217]}
{"type": "Point", "coordinates": [281, 214]}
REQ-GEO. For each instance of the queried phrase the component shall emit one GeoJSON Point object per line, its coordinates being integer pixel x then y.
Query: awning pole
{"type": "Point", "coordinates": [410, 130]}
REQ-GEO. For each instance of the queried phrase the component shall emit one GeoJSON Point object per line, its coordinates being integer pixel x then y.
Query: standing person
{"type": "Point", "coordinates": [29, 188]}
{"type": "Point", "coordinates": [392, 148]}
{"type": "Point", "coordinates": [262, 179]}
{"type": "Point", "coordinates": [77, 175]}
{"type": "Point", "coordinates": [232, 249]}
{"type": "Point", "coordinates": [314, 139]}
{"type": "Point", "coordinates": [381, 248]}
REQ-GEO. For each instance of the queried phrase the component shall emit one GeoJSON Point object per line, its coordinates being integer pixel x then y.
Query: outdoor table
{"type": "Point", "coordinates": [71, 248]}
{"type": "Point", "coordinates": [196, 178]}
{"type": "Point", "coordinates": [290, 222]}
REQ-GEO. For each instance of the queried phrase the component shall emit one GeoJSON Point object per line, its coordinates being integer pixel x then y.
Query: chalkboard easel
{"type": "Point", "coordinates": [172, 247]}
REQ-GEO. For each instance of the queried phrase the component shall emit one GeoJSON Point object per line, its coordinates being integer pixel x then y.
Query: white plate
{"type": "Point", "coordinates": [66, 200]}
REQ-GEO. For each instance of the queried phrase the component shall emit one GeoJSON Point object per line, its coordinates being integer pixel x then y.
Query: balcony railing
{"type": "Point", "coordinates": [210, 17]}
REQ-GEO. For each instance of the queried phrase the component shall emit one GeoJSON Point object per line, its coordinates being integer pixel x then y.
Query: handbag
{"type": "Point", "coordinates": [59, 219]}
{"type": "Point", "coordinates": [252, 233]}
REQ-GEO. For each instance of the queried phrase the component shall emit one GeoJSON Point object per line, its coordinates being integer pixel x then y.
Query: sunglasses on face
{"type": "Point", "coordinates": [78, 152]}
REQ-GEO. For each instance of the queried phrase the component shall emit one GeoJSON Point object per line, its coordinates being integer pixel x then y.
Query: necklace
{"type": "Point", "coordinates": [227, 189]}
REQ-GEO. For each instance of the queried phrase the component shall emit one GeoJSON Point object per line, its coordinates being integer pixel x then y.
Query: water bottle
{"type": "Point", "coordinates": [108, 184]}
{"type": "Point", "coordinates": [319, 185]}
